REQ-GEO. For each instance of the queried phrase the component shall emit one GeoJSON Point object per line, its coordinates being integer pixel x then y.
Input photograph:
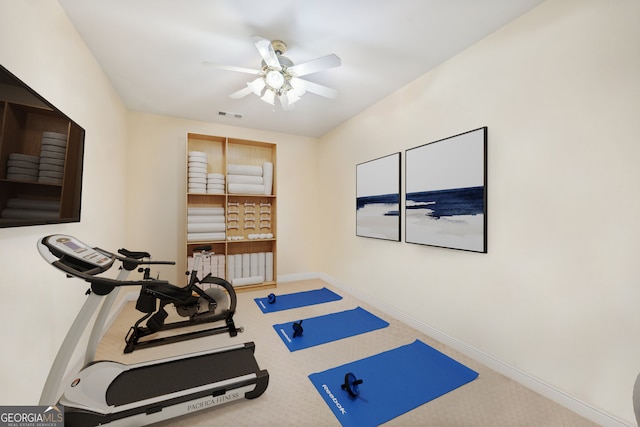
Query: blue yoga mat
{"type": "Point", "coordinates": [394, 382]}
{"type": "Point", "coordinates": [298, 299]}
{"type": "Point", "coordinates": [330, 327]}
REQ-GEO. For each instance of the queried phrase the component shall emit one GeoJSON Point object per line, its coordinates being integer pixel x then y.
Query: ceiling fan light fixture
{"type": "Point", "coordinates": [292, 97]}
{"type": "Point", "coordinates": [274, 79]}
{"type": "Point", "coordinates": [297, 87]}
{"type": "Point", "coordinates": [269, 97]}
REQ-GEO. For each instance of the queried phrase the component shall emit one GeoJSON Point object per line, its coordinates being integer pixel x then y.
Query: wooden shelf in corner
{"type": "Point", "coordinates": [220, 152]}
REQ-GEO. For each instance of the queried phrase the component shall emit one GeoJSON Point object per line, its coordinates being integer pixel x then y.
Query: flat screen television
{"type": "Point", "coordinates": [41, 158]}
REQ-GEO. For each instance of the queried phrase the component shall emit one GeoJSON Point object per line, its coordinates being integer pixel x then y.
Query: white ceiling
{"type": "Point", "coordinates": [152, 51]}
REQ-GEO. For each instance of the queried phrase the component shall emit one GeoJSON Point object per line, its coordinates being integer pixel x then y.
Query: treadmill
{"type": "Point", "coordinates": [107, 392]}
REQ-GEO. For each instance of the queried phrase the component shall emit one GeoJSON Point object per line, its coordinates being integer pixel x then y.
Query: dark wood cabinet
{"type": "Point", "coordinates": [41, 158]}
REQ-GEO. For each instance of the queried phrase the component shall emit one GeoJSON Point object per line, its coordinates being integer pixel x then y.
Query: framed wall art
{"type": "Point", "coordinates": [446, 192]}
{"type": "Point", "coordinates": [378, 198]}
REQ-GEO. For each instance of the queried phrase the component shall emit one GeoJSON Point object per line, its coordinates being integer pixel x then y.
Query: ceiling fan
{"type": "Point", "coordinates": [279, 78]}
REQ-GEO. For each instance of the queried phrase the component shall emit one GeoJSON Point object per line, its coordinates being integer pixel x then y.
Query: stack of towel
{"type": "Point", "coordinates": [18, 208]}
{"type": "Point", "coordinates": [250, 268]}
{"type": "Point", "coordinates": [205, 224]}
{"type": "Point", "coordinates": [197, 172]}
{"type": "Point", "coordinates": [53, 151]}
{"type": "Point", "coordinates": [22, 167]}
{"type": "Point", "coordinates": [213, 263]}
{"type": "Point", "coordinates": [215, 183]}
{"type": "Point", "coordinates": [250, 179]}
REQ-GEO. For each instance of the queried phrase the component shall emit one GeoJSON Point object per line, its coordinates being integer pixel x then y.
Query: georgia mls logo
{"type": "Point", "coordinates": [31, 416]}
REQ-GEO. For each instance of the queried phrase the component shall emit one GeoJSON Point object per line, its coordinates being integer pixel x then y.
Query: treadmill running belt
{"type": "Point", "coordinates": [155, 380]}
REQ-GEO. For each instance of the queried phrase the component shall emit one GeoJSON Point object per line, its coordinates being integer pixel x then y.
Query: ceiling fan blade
{"type": "Point", "coordinates": [301, 85]}
{"type": "Point", "coordinates": [266, 51]}
{"type": "Point", "coordinates": [315, 65]}
{"type": "Point", "coordinates": [231, 68]}
{"type": "Point", "coordinates": [241, 93]}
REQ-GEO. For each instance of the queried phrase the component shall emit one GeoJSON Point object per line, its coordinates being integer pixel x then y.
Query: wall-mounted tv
{"type": "Point", "coordinates": [41, 158]}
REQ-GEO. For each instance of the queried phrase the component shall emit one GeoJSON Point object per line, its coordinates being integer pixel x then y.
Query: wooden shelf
{"type": "Point", "coordinates": [25, 119]}
{"type": "Point", "coordinates": [242, 212]}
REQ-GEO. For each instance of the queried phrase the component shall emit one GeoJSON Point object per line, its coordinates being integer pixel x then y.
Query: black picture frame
{"type": "Point", "coordinates": [378, 198]}
{"type": "Point", "coordinates": [446, 192]}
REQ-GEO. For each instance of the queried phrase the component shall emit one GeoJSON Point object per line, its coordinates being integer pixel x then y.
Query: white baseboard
{"type": "Point", "coordinates": [550, 392]}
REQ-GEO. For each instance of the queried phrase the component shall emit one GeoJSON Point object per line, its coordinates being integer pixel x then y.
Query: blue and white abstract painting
{"type": "Point", "coordinates": [378, 198]}
{"type": "Point", "coordinates": [446, 192]}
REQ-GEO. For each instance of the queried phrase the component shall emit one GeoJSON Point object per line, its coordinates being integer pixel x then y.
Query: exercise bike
{"type": "Point", "coordinates": [199, 305]}
{"type": "Point", "coordinates": [107, 392]}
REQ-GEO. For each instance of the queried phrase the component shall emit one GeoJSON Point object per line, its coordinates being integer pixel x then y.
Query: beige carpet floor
{"type": "Point", "coordinates": [291, 400]}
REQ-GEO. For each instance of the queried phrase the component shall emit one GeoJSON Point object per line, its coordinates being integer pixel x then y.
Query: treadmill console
{"type": "Point", "coordinates": [74, 254]}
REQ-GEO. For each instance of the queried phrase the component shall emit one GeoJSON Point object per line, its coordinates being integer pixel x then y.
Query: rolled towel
{"type": "Point", "coordinates": [234, 169]}
{"type": "Point", "coordinates": [261, 264]}
{"type": "Point", "coordinates": [255, 266]}
{"type": "Point", "coordinates": [245, 188]}
{"type": "Point", "coordinates": [244, 281]}
{"type": "Point", "coordinates": [268, 274]}
{"type": "Point", "coordinates": [197, 154]}
{"type": "Point", "coordinates": [245, 179]}
{"type": "Point", "coordinates": [212, 227]}
{"type": "Point", "coordinates": [213, 210]}
{"type": "Point", "coordinates": [199, 219]}
{"type": "Point", "coordinates": [201, 237]}
{"type": "Point", "coordinates": [268, 178]}
{"type": "Point", "coordinates": [246, 265]}
{"type": "Point", "coordinates": [230, 267]}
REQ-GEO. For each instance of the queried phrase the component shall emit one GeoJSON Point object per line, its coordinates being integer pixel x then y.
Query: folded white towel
{"type": "Point", "coordinates": [234, 169]}
{"type": "Point", "coordinates": [200, 169]}
{"type": "Point", "coordinates": [215, 181]}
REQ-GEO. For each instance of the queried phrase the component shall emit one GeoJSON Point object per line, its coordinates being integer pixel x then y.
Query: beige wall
{"type": "Point", "coordinates": [557, 294]}
{"type": "Point", "coordinates": [37, 305]}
